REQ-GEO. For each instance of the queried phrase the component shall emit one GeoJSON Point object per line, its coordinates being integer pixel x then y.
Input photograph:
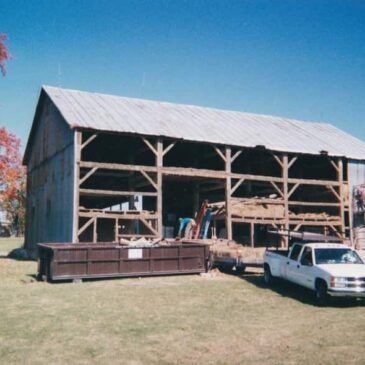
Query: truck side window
{"type": "Point", "coordinates": [295, 252]}
{"type": "Point", "coordinates": [307, 259]}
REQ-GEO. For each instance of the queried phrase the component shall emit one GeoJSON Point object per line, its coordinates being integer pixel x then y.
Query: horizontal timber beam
{"type": "Point", "coordinates": [97, 192]}
{"type": "Point", "coordinates": [182, 171]}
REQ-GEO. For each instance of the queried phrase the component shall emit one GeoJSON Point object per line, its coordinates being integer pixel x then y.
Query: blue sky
{"type": "Point", "coordinates": [299, 59]}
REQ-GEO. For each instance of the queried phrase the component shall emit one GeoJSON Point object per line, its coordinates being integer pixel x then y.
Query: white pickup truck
{"type": "Point", "coordinates": [330, 269]}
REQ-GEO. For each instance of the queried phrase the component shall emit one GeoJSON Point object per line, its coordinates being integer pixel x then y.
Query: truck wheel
{"type": "Point", "coordinates": [321, 295]}
{"type": "Point", "coordinates": [268, 278]}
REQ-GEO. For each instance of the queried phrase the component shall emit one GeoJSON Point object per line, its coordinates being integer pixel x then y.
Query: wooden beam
{"type": "Point", "coordinates": [91, 172]}
{"type": "Point", "coordinates": [76, 194]}
{"type": "Point", "coordinates": [278, 160]}
{"type": "Point", "coordinates": [100, 192]}
{"type": "Point", "coordinates": [237, 185]}
{"type": "Point", "coordinates": [86, 225]}
{"type": "Point", "coordinates": [159, 165]}
{"type": "Point", "coordinates": [168, 148]}
{"type": "Point", "coordinates": [314, 204]}
{"type": "Point", "coordinates": [95, 230]}
{"type": "Point", "coordinates": [252, 234]}
{"type": "Point", "coordinates": [236, 155]}
{"type": "Point", "coordinates": [149, 178]}
{"type": "Point", "coordinates": [149, 226]}
{"type": "Point", "coordinates": [291, 162]}
{"type": "Point", "coordinates": [297, 227]}
{"type": "Point", "coordinates": [182, 171]}
{"type": "Point", "coordinates": [116, 215]}
{"type": "Point", "coordinates": [89, 140]}
{"type": "Point", "coordinates": [333, 163]}
{"type": "Point", "coordinates": [150, 146]}
{"type": "Point", "coordinates": [227, 159]}
{"type": "Point", "coordinates": [277, 188]}
{"type": "Point", "coordinates": [285, 174]}
{"type": "Point", "coordinates": [219, 152]}
{"type": "Point", "coordinates": [334, 192]}
{"type": "Point", "coordinates": [293, 189]}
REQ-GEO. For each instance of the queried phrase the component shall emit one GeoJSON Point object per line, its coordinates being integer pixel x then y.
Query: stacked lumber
{"type": "Point", "coordinates": [255, 207]}
{"type": "Point", "coordinates": [230, 249]}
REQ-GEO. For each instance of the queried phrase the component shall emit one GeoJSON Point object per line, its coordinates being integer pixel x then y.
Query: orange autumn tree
{"type": "Point", "coordinates": [12, 181]}
{"type": "Point", "coordinates": [4, 53]}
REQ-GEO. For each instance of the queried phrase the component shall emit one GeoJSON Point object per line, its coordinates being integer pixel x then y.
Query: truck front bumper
{"type": "Point", "coordinates": [359, 293]}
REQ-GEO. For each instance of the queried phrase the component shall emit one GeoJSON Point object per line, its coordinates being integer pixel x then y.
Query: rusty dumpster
{"type": "Point", "coordinates": [101, 260]}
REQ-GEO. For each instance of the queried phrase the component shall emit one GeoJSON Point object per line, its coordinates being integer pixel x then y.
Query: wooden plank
{"type": "Point", "coordinates": [118, 216]}
{"type": "Point", "coordinates": [91, 172]}
{"type": "Point", "coordinates": [99, 192]}
{"type": "Point", "coordinates": [219, 152]}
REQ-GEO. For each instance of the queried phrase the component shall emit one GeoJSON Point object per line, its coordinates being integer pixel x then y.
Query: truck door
{"type": "Point", "coordinates": [291, 264]}
{"type": "Point", "coordinates": [305, 269]}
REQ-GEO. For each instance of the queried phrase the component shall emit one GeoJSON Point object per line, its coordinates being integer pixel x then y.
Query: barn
{"type": "Point", "coordinates": [103, 167]}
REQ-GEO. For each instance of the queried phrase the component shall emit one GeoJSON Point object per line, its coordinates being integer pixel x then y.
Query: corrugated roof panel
{"type": "Point", "coordinates": [119, 114]}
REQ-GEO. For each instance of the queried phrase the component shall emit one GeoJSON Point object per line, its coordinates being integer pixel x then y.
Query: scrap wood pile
{"type": "Point", "coordinates": [251, 207]}
{"type": "Point", "coordinates": [271, 207]}
{"type": "Point", "coordinates": [231, 249]}
{"type": "Point", "coordinates": [313, 216]}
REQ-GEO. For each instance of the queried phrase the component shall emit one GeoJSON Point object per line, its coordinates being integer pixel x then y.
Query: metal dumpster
{"type": "Point", "coordinates": [102, 260]}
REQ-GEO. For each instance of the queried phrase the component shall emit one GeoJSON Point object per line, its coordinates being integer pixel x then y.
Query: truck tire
{"type": "Point", "coordinates": [321, 294]}
{"type": "Point", "coordinates": [268, 278]}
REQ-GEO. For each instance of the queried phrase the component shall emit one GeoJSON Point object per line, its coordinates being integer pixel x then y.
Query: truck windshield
{"type": "Point", "coordinates": [336, 256]}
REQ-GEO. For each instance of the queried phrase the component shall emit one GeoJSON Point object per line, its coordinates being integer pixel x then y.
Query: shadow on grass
{"type": "Point", "coordinates": [296, 292]}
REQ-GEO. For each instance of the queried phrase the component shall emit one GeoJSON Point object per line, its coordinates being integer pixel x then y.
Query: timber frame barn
{"type": "Point", "coordinates": [103, 167]}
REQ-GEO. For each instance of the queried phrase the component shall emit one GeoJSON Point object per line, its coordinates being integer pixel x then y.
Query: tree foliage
{"type": "Point", "coordinates": [12, 180]}
{"type": "Point", "coordinates": [4, 53]}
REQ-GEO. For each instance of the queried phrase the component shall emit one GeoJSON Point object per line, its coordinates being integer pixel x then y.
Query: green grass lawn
{"type": "Point", "coordinates": [171, 320]}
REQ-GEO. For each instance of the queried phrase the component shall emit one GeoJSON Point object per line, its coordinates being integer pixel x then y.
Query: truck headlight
{"type": "Point", "coordinates": [338, 282]}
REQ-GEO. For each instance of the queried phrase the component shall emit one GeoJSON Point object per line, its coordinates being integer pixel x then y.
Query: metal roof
{"type": "Point", "coordinates": [127, 115]}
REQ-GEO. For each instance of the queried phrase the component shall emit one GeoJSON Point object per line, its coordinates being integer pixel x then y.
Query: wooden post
{"type": "Point", "coordinates": [341, 191]}
{"type": "Point", "coordinates": [228, 193]}
{"type": "Point", "coordinates": [76, 194]}
{"type": "Point", "coordinates": [196, 197]}
{"type": "Point", "coordinates": [286, 195]}
{"type": "Point", "coordinates": [159, 164]}
{"type": "Point", "coordinates": [252, 234]}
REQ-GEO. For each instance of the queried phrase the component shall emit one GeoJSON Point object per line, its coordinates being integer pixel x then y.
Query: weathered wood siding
{"type": "Point", "coordinates": [49, 209]}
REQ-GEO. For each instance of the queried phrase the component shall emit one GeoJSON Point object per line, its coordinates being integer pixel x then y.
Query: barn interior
{"type": "Point", "coordinates": [132, 186]}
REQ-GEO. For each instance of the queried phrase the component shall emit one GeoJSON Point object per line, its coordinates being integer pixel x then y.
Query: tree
{"type": "Point", "coordinates": [4, 53]}
{"type": "Point", "coordinates": [12, 180]}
